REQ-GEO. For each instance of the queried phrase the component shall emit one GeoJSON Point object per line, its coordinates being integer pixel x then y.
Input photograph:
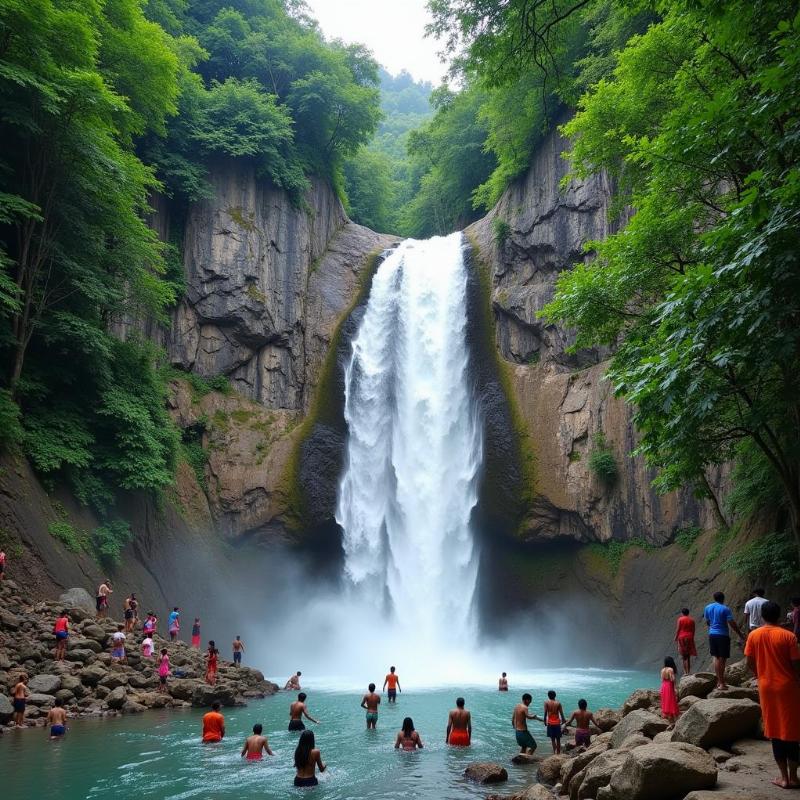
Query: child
{"type": "Point", "coordinates": [583, 718]}
{"type": "Point", "coordinates": [211, 663]}
{"type": "Point", "coordinates": [669, 697]}
{"type": "Point", "coordinates": [118, 645]}
{"type": "Point", "coordinates": [163, 671]}
{"type": "Point", "coordinates": [147, 647]}
{"type": "Point", "coordinates": [554, 719]}
{"type": "Point", "coordinates": [196, 633]}
{"type": "Point", "coordinates": [149, 626]}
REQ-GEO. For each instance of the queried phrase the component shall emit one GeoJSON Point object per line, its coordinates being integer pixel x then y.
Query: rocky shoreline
{"type": "Point", "coordinates": [88, 682]}
{"type": "Point", "coordinates": [715, 751]}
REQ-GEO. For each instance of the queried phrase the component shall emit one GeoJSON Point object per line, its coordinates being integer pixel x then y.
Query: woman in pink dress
{"type": "Point", "coordinates": [669, 697]}
{"type": "Point", "coordinates": [163, 671]}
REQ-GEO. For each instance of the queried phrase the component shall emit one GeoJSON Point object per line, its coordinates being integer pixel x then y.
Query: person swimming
{"type": "Point", "coordinates": [297, 711]}
{"type": "Point", "coordinates": [306, 760]}
{"type": "Point", "coordinates": [370, 702]}
{"type": "Point", "coordinates": [256, 745]}
{"type": "Point", "coordinates": [407, 738]}
{"type": "Point", "coordinates": [459, 726]}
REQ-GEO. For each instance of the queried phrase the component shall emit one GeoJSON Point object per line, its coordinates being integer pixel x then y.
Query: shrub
{"type": "Point", "coordinates": [67, 534]}
{"type": "Point", "coordinates": [109, 539]}
{"type": "Point", "coordinates": [10, 428]}
{"type": "Point", "coordinates": [502, 230]}
{"type": "Point", "coordinates": [602, 461]}
{"type": "Point", "coordinates": [687, 537]}
{"type": "Point", "coordinates": [773, 555]}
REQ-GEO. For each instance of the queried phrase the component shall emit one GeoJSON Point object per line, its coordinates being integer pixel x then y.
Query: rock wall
{"type": "Point", "coordinates": [536, 231]}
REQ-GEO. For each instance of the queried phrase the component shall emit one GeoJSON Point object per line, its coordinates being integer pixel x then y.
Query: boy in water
{"type": "Point", "coordinates": [20, 700]}
{"type": "Point", "coordinates": [394, 685]}
{"type": "Point", "coordinates": [554, 716]}
{"type": "Point", "coordinates": [57, 720]}
{"type": "Point", "coordinates": [370, 702]}
{"type": "Point", "coordinates": [582, 718]}
{"type": "Point", "coordinates": [256, 745]}
{"type": "Point", "coordinates": [519, 719]}
{"type": "Point", "coordinates": [294, 682]}
{"type": "Point", "coordinates": [459, 726]}
{"type": "Point", "coordinates": [502, 684]}
{"type": "Point", "coordinates": [297, 711]}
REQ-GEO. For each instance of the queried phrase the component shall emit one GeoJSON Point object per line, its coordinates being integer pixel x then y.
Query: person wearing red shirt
{"type": "Point", "coordinates": [684, 636]}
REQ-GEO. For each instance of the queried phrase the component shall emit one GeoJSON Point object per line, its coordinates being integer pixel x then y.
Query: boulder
{"type": "Point", "coordinates": [116, 698]}
{"type": "Point", "coordinates": [39, 699]}
{"type": "Point", "coordinates": [486, 772]}
{"type": "Point", "coordinates": [183, 689]}
{"type": "Point", "coordinates": [77, 599]}
{"type": "Point", "coordinates": [6, 709]}
{"type": "Point", "coordinates": [92, 675]}
{"type": "Point", "coordinates": [641, 698]}
{"type": "Point", "coordinates": [549, 771]}
{"type": "Point", "coordinates": [573, 766]}
{"type": "Point", "coordinates": [65, 696]}
{"type": "Point", "coordinates": [205, 695]}
{"type": "Point", "coordinates": [70, 682]}
{"type": "Point", "coordinates": [81, 655]}
{"type": "Point", "coordinates": [114, 679]}
{"type": "Point", "coordinates": [663, 737]}
{"type": "Point", "coordinates": [687, 702]}
{"type": "Point", "coordinates": [736, 693]}
{"type": "Point", "coordinates": [525, 758]}
{"type": "Point", "coordinates": [82, 643]}
{"type": "Point", "coordinates": [536, 792]}
{"type": "Point", "coordinates": [738, 673]}
{"type": "Point", "coordinates": [663, 772]}
{"type": "Point", "coordinates": [711, 723]}
{"type": "Point", "coordinates": [699, 684]}
{"type": "Point", "coordinates": [96, 632]}
{"type": "Point", "coordinates": [152, 699]}
{"type": "Point", "coordinates": [719, 755]}
{"type": "Point", "coordinates": [731, 794]}
{"type": "Point", "coordinates": [139, 681]}
{"type": "Point", "coordinates": [639, 721]}
{"type": "Point", "coordinates": [45, 684]}
{"type": "Point", "coordinates": [607, 718]}
{"type": "Point", "coordinates": [130, 707]}
{"type": "Point", "coordinates": [590, 780]}
{"type": "Point", "coordinates": [636, 740]}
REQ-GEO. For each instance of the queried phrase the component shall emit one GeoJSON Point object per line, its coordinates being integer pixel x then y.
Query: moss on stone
{"type": "Point", "coordinates": [248, 223]}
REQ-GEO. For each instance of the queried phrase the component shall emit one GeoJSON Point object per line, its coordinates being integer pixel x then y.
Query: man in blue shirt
{"type": "Point", "coordinates": [719, 618]}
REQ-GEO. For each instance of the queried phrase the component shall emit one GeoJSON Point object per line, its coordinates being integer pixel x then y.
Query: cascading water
{"type": "Point", "coordinates": [414, 449]}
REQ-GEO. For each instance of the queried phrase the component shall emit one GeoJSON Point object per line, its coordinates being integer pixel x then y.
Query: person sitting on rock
{"type": "Point", "coordinates": [583, 719]}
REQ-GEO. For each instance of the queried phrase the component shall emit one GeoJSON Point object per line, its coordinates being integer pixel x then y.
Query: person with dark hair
{"type": "Point", "coordinates": [61, 632]}
{"type": "Point", "coordinates": [519, 719]}
{"type": "Point", "coordinates": [459, 726]}
{"type": "Point", "coordinates": [256, 745]}
{"type": "Point", "coordinates": [502, 684]}
{"type": "Point", "coordinates": [752, 609]}
{"type": "Point", "coordinates": [196, 633]}
{"type": "Point", "coordinates": [306, 760]}
{"type": "Point", "coordinates": [57, 720]}
{"type": "Point", "coordinates": [719, 619]}
{"type": "Point", "coordinates": [684, 636]}
{"type": "Point", "coordinates": [174, 623]}
{"type": "Point", "coordinates": [583, 719]}
{"type": "Point", "coordinates": [669, 697]}
{"type": "Point", "coordinates": [394, 685]}
{"type": "Point", "coordinates": [212, 659]}
{"type": "Point", "coordinates": [213, 725]}
{"type": "Point", "coordinates": [297, 711]}
{"type": "Point", "coordinates": [773, 656]}
{"type": "Point", "coordinates": [407, 738]}
{"type": "Point", "coordinates": [554, 719]}
{"type": "Point", "coordinates": [370, 702]}
{"type": "Point", "coordinates": [103, 591]}
{"type": "Point", "coordinates": [238, 649]}
{"type": "Point", "coordinates": [19, 699]}
{"type": "Point", "coordinates": [294, 682]}
{"type": "Point", "coordinates": [164, 669]}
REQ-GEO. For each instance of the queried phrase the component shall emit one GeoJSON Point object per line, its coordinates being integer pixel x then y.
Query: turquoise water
{"type": "Point", "coordinates": [158, 754]}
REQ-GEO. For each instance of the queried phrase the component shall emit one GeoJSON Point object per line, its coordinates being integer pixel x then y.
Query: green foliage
{"type": "Point", "coordinates": [613, 552]}
{"type": "Point", "coordinates": [773, 557]}
{"type": "Point", "coordinates": [722, 539]}
{"type": "Point", "coordinates": [755, 485]}
{"type": "Point", "coordinates": [68, 535]}
{"type": "Point", "coordinates": [193, 452]}
{"type": "Point", "coordinates": [501, 230]}
{"type": "Point", "coordinates": [11, 432]}
{"type": "Point", "coordinates": [602, 460]}
{"type": "Point", "coordinates": [686, 538]}
{"type": "Point", "coordinates": [109, 539]}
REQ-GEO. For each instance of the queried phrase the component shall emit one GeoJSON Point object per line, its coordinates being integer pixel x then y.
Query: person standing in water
{"type": "Point", "coordinates": [19, 700]}
{"type": "Point", "coordinates": [684, 636]}
{"type": "Point", "coordinates": [238, 649]}
{"type": "Point", "coordinates": [407, 738]}
{"type": "Point", "coordinates": [61, 632]}
{"type": "Point", "coordinates": [57, 720]}
{"type": "Point", "coordinates": [256, 745]}
{"type": "Point", "coordinates": [293, 683]}
{"type": "Point", "coordinates": [306, 760]}
{"type": "Point", "coordinates": [519, 719]}
{"type": "Point", "coordinates": [297, 711]}
{"type": "Point", "coordinates": [669, 697]}
{"type": "Point", "coordinates": [554, 714]}
{"type": "Point", "coordinates": [174, 623]}
{"type": "Point", "coordinates": [583, 719]}
{"type": "Point", "coordinates": [459, 726]}
{"type": "Point", "coordinates": [394, 685]}
{"type": "Point", "coordinates": [370, 702]}
{"type": "Point", "coordinates": [196, 633]}
{"type": "Point", "coordinates": [502, 684]}
{"type": "Point", "coordinates": [213, 725]}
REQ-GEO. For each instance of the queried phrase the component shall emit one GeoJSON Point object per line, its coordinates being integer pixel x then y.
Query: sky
{"type": "Point", "coordinates": [393, 29]}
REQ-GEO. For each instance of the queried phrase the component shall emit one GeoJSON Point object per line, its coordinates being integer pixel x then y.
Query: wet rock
{"type": "Point", "coordinates": [486, 772]}
{"type": "Point", "coordinates": [525, 758]}
{"type": "Point", "coordinates": [607, 718]}
{"type": "Point", "coordinates": [204, 695]}
{"type": "Point", "coordinates": [662, 772]}
{"type": "Point", "coordinates": [92, 675]}
{"type": "Point", "coordinates": [638, 721]}
{"type": "Point", "coordinates": [641, 698]}
{"type": "Point", "coordinates": [116, 698]}
{"type": "Point", "coordinates": [130, 707]}
{"type": "Point", "coordinates": [45, 684]}
{"type": "Point", "coordinates": [40, 699]}
{"type": "Point", "coordinates": [699, 684]}
{"type": "Point", "coordinates": [710, 723]}
{"type": "Point", "coordinates": [549, 771]}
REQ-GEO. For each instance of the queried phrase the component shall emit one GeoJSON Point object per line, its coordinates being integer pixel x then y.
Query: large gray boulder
{"type": "Point", "coordinates": [38, 699]}
{"type": "Point", "coordinates": [710, 723]}
{"type": "Point", "coordinates": [607, 718]}
{"type": "Point", "coordinates": [586, 784]}
{"type": "Point", "coordinates": [77, 600]}
{"type": "Point", "coordinates": [204, 695]}
{"type": "Point", "coordinates": [116, 698]}
{"type": "Point", "coordinates": [662, 772]}
{"type": "Point", "coordinates": [44, 684]}
{"type": "Point", "coordinates": [93, 674]}
{"type": "Point", "coordinates": [6, 709]}
{"type": "Point", "coordinates": [549, 770]}
{"type": "Point", "coordinates": [641, 698]}
{"type": "Point", "coordinates": [736, 693]}
{"type": "Point", "coordinates": [573, 766]}
{"type": "Point", "coordinates": [699, 684]}
{"type": "Point", "coordinates": [486, 772]}
{"type": "Point", "coordinates": [738, 673]}
{"type": "Point", "coordinates": [639, 721]}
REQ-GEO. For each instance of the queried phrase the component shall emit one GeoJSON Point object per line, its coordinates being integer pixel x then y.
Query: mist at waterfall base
{"type": "Point", "coordinates": [406, 500]}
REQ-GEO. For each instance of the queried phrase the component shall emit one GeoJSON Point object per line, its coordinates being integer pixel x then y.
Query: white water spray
{"type": "Point", "coordinates": [414, 450]}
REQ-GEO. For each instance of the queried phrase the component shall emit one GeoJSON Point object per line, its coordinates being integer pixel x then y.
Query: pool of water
{"type": "Point", "coordinates": [158, 754]}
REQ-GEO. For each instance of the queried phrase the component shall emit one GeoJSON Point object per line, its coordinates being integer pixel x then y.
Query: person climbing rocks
{"type": "Point", "coordinates": [370, 701]}
{"type": "Point", "coordinates": [213, 725]}
{"type": "Point", "coordinates": [174, 623]}
{"type": "Point", "coordinates": [459, 726]}
{"type": "Point", "coordinates": [61, 632]}
{"type": "Point", "coordinates": [519, 720]}
{"type": "Point", "coordinates": [256, 745]}
{"type": "Point", "coordinates": [684, 636]}
{"type": "Point", "coordinates": [719, 619]}
{"type": "Point", "coordinates": [393, 681]}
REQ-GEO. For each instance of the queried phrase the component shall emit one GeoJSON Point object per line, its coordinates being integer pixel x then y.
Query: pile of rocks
{"type": "Point", "coordinates": [88, 682]}
{"type": "Point", "coordinates": [710, 754]}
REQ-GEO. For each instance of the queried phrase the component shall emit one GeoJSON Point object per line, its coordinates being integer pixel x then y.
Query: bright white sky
{"type": "Point", "coordinates": [393, 29]}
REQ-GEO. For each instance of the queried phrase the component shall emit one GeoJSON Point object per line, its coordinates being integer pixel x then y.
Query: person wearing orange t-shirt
{"type": "Point", "coordinates": [773, 656]}
{"type": "Point", "coordinates": [213, 725]}
{"type": "Point", "coordinates": [394, 685]}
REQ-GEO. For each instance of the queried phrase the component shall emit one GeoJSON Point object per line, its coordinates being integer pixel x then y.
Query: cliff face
{"type": "Point", "coordinates": [537, 230]}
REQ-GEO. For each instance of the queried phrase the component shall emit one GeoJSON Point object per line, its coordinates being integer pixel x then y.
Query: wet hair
{"type": "Point", "coordinates": [770, 612]}
{"type": "Point", "coordinates": [526, 698]}
{"type": "Point", "coordinates": [211, 643]}
{"type": "Point", "coordinates": [302, 697]}
{"type": "Point", "coordinates": [59, 702]}
{"type": "Point", "coordinates": [685, 611]}
{"type": "Point", "coordinates": [669, 661]}
{"type": "Point", "coordinates": [551, 694]}
{"type": "Point", "coordinates": [304, 748]}
{"type": "Point", "coordinates": [299, 673]}
{"type": "Point", "coordinates": [391, 669]}
{"type": "Point", "coordinates": [582, 704]}
{"type": "Point", "coordinates": [372, 687]}
{"type": "Point", "coordinates": [504, 675]}
{"type": "Point", "coordinates": [719, 597]}
{"type": "Point", "coordinates": [238, 637]}
{"type": "Point", "coordinates": [758, 592]}
{"type": "Point", "coordinates": [257, 728]}
{"type": "Point", "coordinates": [215, 705]}
{"type": "Point", "coordinates": [408, 726]}
{"type": "Point", "coordinates": [460, 702]}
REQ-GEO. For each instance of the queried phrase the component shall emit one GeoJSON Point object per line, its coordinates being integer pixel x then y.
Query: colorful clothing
{"type": "Point", "coordinates": [213, 726]}
{"type": "Point", "coordinates": [669, 697]}
{"type": "Point", "coordinates": [717, 616]}
{"type": "Point", "coordinates": [459, 737]}
{"type": "Point", "coordinates": [685, 637]}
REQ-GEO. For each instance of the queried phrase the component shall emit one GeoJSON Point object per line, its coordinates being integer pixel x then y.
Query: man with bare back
{"type": "Point", "coordinates": [519, 719]}
{"type": "Point", "coordinates": [370, 702]}
{"type": "Point", "coordinates": [297, 711]}
{"type": "Point", "coordinates": [459, 726]}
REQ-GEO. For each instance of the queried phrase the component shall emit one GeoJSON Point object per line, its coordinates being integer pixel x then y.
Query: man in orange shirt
{"type": "Point", "coordinates": [394, 685]}
{"type": "Point", "coordinates": [213, 725]}
{"type": "Point", "coordinates": [774, 657]}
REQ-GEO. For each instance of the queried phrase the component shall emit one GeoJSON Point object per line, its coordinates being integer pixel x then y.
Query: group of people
{"type": "Point", "coordinates": [773, 656]}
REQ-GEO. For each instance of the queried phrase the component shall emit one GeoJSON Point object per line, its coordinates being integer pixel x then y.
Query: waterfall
{"type": "Point", "coordinates": [414, 446]}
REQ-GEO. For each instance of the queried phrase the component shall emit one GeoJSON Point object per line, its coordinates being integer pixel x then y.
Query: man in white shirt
{"type": "Point", "coordinates": [752, 609]}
